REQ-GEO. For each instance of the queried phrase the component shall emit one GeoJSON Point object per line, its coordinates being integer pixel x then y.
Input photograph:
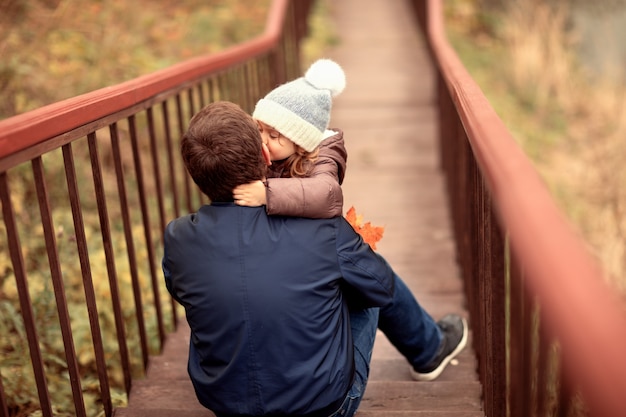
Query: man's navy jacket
{"type": "Point", "coordinates": [270, 330]}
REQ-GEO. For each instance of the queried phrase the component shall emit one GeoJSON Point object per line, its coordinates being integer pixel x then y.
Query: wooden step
{"type": "Point", "coordinates": [397, 369]}
{"type": "Point", "coordinates": [160, 398]}
{"type": "Point", "coordinates": [393, 413]}
{"type": "Point", "coordinates": [432, 396]}
{"type": "Point", "coordinates": [387, 363]}
{"type": "Point", "coordinates": [167, 391]}
{"type": "Point", "coordinates": [161, 412]}
{"type": "Point", "coordinates": [155, 397]}
{"type": "Point", "coordinates": [379, 413]}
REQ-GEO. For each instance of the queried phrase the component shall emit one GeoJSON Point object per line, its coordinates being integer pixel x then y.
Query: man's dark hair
{"type": "Point", "coordinates": [222, 149]}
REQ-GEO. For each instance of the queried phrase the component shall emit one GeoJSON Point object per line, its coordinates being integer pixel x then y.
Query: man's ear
{"type": "Point", "coordinates": [266, 154]}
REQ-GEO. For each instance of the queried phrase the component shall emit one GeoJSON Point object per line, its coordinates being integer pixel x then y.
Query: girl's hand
{"type": "Point", "coordinates": [250, 195]}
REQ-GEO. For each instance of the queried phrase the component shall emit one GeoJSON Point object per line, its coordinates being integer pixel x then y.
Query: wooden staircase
{"type": "Point", "coordinates": [389, 119]}
{"type": "Point", "coordinates": [167, 390]}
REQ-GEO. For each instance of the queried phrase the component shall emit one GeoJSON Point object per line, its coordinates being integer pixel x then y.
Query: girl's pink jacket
{"type": "Point", "coordinates": [318, 196]}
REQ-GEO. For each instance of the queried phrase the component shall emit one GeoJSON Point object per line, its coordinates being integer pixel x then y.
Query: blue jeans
{"type": "Point", "coordinates": [363, 324]}
{"type": "Point", "coordinates": [407, 326]}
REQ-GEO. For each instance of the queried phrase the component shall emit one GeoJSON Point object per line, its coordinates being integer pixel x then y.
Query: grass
{"type": "Point", "coordinates": [58, 49]}
{"type": "Point", "coordinates": [570, 124]}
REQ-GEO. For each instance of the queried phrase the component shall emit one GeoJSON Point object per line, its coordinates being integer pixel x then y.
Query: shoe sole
{"type": "Point", "coordinates": [444, 363]}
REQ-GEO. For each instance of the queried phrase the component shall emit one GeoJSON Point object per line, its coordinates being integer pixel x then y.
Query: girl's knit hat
{"type": "Point", "coordinates": [300, 109]}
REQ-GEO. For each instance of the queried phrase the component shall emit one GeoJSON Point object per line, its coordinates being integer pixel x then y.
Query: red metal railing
{"type": "Point", "coordinates": [110, 152]}
{"type": "Point", "coordinates": [546, 326]}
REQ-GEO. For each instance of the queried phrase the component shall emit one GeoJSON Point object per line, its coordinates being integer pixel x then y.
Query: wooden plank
{"type": "Point", "coordinates": [431, 396]}
{"type": "Point", "coordinates": [398, 370]}
{"type": "Point", "coordinates": [428, 413]}
{"type": "Point", "coordinates": [164, 394]}
{"type": "Point", "coordinates": [167, 412]}
{"type": "Point", "coordinates": [171, 364]}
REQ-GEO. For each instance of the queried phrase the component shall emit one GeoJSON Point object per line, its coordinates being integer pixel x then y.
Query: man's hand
{"type": "Point", "coordinates": [251, 194]}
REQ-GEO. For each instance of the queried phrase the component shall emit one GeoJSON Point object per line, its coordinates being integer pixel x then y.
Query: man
{"type": "Point", "coordinates": [283, 311]}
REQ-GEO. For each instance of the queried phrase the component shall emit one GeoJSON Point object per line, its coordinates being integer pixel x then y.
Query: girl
{"type": "Point", "coordinates": [308, 159]}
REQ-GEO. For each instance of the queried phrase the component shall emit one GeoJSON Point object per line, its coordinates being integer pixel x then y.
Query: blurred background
{"type": "Point", "coordinates": [55, 49]}
{"type": "Point", "coordinates": [555, 71]}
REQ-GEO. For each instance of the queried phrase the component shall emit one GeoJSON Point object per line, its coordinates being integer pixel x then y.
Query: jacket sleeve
{"type": "Point", "coordinates": [165, 264]}
{"type": "Point", "coordinates": [317, 196]}
{"type": "Point", "coordinates": [369, 278]}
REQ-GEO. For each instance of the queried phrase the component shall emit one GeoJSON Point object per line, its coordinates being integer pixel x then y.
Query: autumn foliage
{"type": "Point", "coordinates": [51, 49]}
{"type": "Point", "coordinates": [370, 234]}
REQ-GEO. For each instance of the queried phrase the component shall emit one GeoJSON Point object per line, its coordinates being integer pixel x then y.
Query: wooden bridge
{"type": "Point", "coordinates": [468, 224]}
{"type": "Point", "coordinates": [389, 117]}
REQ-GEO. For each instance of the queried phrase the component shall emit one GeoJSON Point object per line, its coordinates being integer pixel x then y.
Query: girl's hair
{"type": "Point", "coordinates": [301, 162]}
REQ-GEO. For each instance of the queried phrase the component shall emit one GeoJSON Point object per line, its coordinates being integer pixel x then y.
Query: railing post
{"type": "Point", "coordinates": [59, 286]}
{"type": "Point", "coordinates": [26, 306]}
{"type": "Point", "coordinates": [494, 299]}
{"type": "Point", "coordinates": [88, 286]}
{"type": "Point", "coordinates": [4, 410]}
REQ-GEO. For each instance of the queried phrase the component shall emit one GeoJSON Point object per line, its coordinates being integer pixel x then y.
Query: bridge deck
{"type": "Point", "coordinates": [388, 115]}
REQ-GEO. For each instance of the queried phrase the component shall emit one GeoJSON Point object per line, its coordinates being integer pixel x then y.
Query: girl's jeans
{"type": "Point", "coordinates": [407, 326]}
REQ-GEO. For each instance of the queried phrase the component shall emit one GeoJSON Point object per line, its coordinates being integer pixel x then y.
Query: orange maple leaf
{"type": "Point", "coordinates": [370, 234]}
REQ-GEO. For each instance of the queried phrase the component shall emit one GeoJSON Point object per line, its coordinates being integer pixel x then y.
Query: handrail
{"type": "Point", "coordinates": [551, 261]}
{"type": "Point", "coordinates": [109, 154]}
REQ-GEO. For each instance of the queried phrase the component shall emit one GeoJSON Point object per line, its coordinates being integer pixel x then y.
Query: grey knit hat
{"type": "Point", "coordinates": [300, 109]}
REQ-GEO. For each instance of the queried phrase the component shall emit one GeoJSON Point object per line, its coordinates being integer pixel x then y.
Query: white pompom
{"type": "Point", "coordinates": [326, 74]}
